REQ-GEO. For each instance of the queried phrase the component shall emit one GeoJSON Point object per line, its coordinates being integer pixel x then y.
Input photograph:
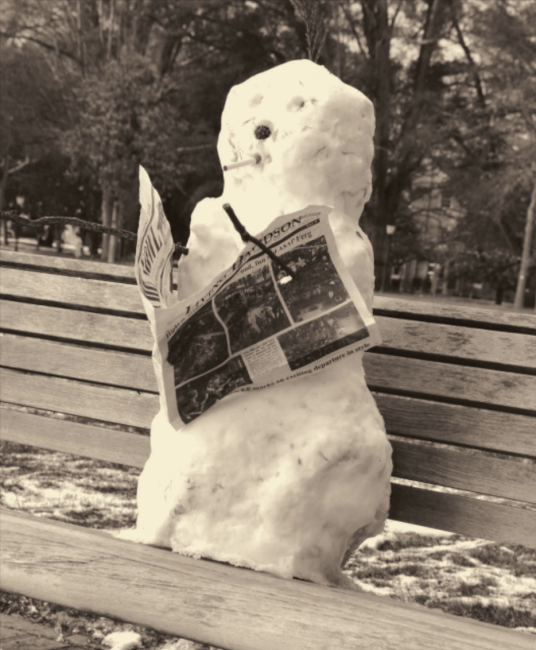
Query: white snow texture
{"type": "Point", "coordinates": [289, 479]}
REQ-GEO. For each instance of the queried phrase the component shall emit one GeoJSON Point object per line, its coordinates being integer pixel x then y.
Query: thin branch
{"type": "Point", "coordinates": [20, 166]}
{"type": "Point", "coordinates": [47, 46]}
{"type": "Point", "coordinates": [352, 27]}
{"type": "Point", "coordinates": [246, 237]}
{"type": "Point", "coordinates": [86, 225]}
{"type": "Point", "coordinates": [399, 6]}
{"type": "Point", "coordinates": [472, 64]}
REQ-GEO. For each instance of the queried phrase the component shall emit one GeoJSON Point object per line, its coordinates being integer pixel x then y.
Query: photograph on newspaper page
{"type": "Point", "coordinates": [255, 325]}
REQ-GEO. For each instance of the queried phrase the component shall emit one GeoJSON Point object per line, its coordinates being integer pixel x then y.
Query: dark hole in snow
{"type": "Point", "coordinates": [262, 132]}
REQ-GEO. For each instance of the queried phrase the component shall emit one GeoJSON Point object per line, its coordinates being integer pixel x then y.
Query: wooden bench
{"type": "Point", "coordinates": [457, 388]}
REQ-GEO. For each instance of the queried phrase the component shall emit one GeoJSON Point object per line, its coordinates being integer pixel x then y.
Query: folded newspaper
{"type": "Point", "coordinates": [254, 325]}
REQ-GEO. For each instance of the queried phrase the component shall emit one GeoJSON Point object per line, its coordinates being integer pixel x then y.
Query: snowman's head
{"type": "Point", "coordinates": [314, 136]}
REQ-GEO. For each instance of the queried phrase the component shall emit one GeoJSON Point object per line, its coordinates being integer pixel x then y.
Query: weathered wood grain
{"type": "Point", "coordinates": [461, 343]}
{"type": "Point", "coordinates": [442, 510]}
{"type": "Point", "coordinates": [442, 465]}
{"type": "Point", "coordinates": [444, 380]}
{"type": "Point", "coordinates": [135, 408]}
{"type": "Point", "coordinates": [499, 522]}
{"type": "Point", "coordinates": [465, 470]}
{"type": "Point", "coordinates": [74, 438]}
{"type": "Point", "coordinates": [419, 377]}
{"type": "Point", "coordinates": [429, 309]}
{"type": "Point", "coordinates": [59, 263]}
{"type": "Point", "coordinates": [217, 604]}
{"type": "Point", "coordinates": [72, 290]}
{"type": "Point", "coordinates": [461, 425]}
{"type": "Point", "coordinates": [130, 333]}
{"type": "Point", "coordinates": [77, 362]}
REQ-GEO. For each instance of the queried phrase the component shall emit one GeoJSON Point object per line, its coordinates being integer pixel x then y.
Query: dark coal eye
{"type": "Point", "coordinates": [262, 132]}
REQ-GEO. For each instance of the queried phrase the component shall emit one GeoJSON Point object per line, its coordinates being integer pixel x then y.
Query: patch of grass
{"type": "Point", "coordinates": [505, 616]}
{"type": "Point", "coordinates": [460, 560]}
{"type": "Point", "coordinates": [407, 540]}
{"type": "Point", "coordinates": [385, 572]}
{"type": "Point", "coordinates": [513, 558]}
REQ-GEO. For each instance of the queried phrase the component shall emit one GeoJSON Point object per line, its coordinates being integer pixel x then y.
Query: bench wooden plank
{"type": "Point", "coordinates": [466, 515]}
{"type": "Point", "coordinates": [463, 514]}
{"type": "Point", "coordinates": [439, 311]}
{"type": "Point", "coordinates": [445, 466]}
{"type": "Point", "coordinates": [118, 405]}
{"type": "Point", "coordinates": [465, 470]}
{"type": "Point", "coordinates": [408, 416]}
{"type": "Point", "coordinates": [416, 377]}
{"type": "Point", "coordinates": [217, 604]}
{"type": "Point", "coordinates": [72, 290]}
{"type": "Point", "coordinates": [75, 438]}
{"type": "Point", "coordinates": [75, 325]}
{"type": "Point", "coordinates": [67, 264]}
{"type": "Point", "coordinates": [461, 425]}
{"type": "Point", "coordinates": [78, 362]}
{"type": "Point", "coordinates": [430, 379]}
{"type": "Point", "coordinates": [462, 343]}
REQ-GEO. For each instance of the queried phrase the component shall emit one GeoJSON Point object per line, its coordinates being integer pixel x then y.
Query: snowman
{"type": "Point", "coordinates": [291, 479]}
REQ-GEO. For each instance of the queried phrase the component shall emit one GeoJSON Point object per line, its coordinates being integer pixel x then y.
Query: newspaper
{"type": "Point", "coordinates": [154, 250]}
{"type": "Point", "coordinates": [254, 325]}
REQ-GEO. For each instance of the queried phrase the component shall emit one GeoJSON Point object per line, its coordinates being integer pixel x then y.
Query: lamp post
{"type": "Point", "coordinates": [390, 230]}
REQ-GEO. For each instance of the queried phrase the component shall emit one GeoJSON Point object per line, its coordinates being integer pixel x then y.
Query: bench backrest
{"type": "Point", "coordinates": [456, 386]}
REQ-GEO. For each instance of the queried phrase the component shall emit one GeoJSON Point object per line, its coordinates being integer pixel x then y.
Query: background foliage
{"type": "Point", "coordinates": [92, 88]}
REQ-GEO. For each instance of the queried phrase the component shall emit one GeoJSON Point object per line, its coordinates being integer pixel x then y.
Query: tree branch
{"type": "Point", "coordinates": [47, 46]}
{"type": "Point", "coordinates": [352, 27]}
{"type": "Point", "coordinates": [20, 166]}
{"type": "Point", "coordinates": [467, 52]}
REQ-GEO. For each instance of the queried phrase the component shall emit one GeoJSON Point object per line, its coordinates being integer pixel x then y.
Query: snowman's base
{"type": "Point", "coordinates": [288, 480]}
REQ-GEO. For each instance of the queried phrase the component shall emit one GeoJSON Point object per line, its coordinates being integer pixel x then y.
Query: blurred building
{"type": "Point", "coordinates": [435, 211]}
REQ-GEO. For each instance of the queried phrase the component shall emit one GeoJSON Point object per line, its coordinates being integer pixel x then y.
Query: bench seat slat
{"type": "Point", "coordinates": [71, 290]}
{"type": "Point", "coordinates": [429, 379]}
{"type": "Point", "coordinates": [75, 325]}
{"type": "Point", "coordinates": [78, 362]}
{"type": "Point", "coordinates": [109, 404]}
{"type": "Point", "coordinates": [442, 510]}
{"type": "Point", "coordinates": [218, 604]}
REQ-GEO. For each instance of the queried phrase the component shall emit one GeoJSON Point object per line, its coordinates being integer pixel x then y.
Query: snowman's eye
{"type": "Point", "coordinates": [262, 132]}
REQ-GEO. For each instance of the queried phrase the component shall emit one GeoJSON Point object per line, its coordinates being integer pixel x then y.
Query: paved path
{"type": "Point", "coordinates": [16, 633]}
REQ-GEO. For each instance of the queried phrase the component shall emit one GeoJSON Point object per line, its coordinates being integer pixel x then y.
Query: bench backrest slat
{"type": "Point", "coordinates": [459, 425]}
{"type": "Point", "coordinates": [73, 361]}
{"type": "Point", "coordinates": [129, 407]}
{"type": "Point", "coordinates": [131, 449]}
{"type": "Point", "coordinates": [51, 287]}
{"type": "Point", "coordinates": [70, 324]}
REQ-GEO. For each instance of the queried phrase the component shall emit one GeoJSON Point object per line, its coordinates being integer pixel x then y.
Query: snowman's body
{"type": "Point", "coordinates": [291, 478]}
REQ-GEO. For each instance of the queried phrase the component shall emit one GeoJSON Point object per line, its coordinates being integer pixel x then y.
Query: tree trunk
{"type": "Point", "coordinates": [378, 36]}
{"type": "Point", "coordinates": [112, 242]}
{"type": "Point", "coordinates": [106, 212]}
{"type": "Point", "coordinates": [527, 246]}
